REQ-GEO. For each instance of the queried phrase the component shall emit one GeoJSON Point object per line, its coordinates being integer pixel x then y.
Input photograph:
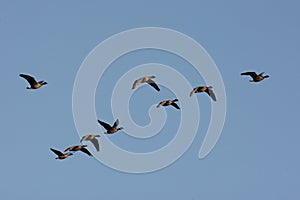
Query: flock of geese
{"type": "Point", "coordinates": [114, 128]}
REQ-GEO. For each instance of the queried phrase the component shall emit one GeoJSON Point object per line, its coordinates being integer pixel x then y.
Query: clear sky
{"type": "Point", "coordinates": [257, 155]}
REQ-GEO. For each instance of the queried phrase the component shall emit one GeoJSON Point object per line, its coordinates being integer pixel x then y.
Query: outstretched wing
{"type": "Point", "coordinates": [84, 150]}
{"type": "Point", "coordinates": [95, 143]}
{"type": "Point", "coordinates": [252, 74]}
{"type": "Point", "coordinates": [211, 94]}
{"type": "Point", "coordinates": [30, 79]}
{"type": "Point", "coordinates": [175, 105]}
{"type": "Point", "coordinates": [84, 138]}
{"type": "Point", "coordinates": [261, 74]}
{"type": "Point", "coordinates": [160, 104]}
{"type": "Point", "coordinates": [137, 82]}
{"type": "Point", "coordinates": [105, 125]}
{"type": "Point", "coordinates": [68, 149]}
{"type": "Point", "coordinates": [193, 91]}
{"type": "Point", "coordinates": [116, 123]}
{"type": "Point", "coordinates": [153, 84]}
{"type": "Point", "coordinates": [57, 152]}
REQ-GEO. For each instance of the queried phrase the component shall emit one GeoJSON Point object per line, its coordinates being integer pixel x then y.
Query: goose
{"type": "Point", "coordinates": [110, 129]}
{"type": "Point", "coordinates": [255, 77]}
{"type": "Point", "coordinates": [79, 148]}
{"type": "Point", "coordinates": [93, 139]}
{"type": "Point", "coordinates": [33, 83]}
{"type": "Point", "coordinates": [60, 155]}
{"type": "Point", "coordinates": [168, 102]}
{"type": "Point", "coordinates": [207, 89]}
{"type": "Point", "coordinates": [146, 79]}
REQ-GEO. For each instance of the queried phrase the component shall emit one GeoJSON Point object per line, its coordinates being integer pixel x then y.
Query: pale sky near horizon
{"type": "Point", "coordinates": [257, 155]}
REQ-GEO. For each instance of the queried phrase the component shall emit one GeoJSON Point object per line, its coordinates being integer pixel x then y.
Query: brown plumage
{"type": "Point", "coordinates": [146, 79]}
{"type": "Point", "coordinates": [110, 129]}
{"type": "Point", "coordinates": [79, 148]}
{"type": "Point", "coordinates": [255, 77]}
{"type": "Point", "coordinates": [60, 155]}
{"type": "Point", "coordinates": [168, 102]}
{"type": "Point", "coordinates": [207, 89]}
{"type": "Point", "coordinates": [33, 83]}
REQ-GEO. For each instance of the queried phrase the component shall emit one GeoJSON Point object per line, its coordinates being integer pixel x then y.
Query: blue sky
{"type": "Point", "coordinates": [257, 156]}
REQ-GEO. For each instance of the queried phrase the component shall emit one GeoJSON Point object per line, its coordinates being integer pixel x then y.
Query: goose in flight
{"type": "Point", "coordinates": [79, 148]}
{"type": "Point", "coordinates": [33, 83]}
{"type": "Point", "coordinates": [146, 79]}
{"type": "Point", "coordinates": [207, 89]}
{"type": "Point", "coordinates": [60, 155]}
{"type": "Point", "coordinates": [168, 102]}
{"type": "Point", "coordinates": [93, 139]}
{"type": "Point", "coordinates": [255, 77]}
{"type": "Point", "coordinates": [110, 129]}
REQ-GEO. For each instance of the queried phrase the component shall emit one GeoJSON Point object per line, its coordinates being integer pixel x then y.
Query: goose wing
{"type": "Point", "coordinates": [175, 105]}
{"type": "Point", "coordinates": [153, 84]}
{"type": "Point", "coordinates": [116, 123]}
{"type": "Point", "coordinates": [105, 125]}
{"type": "Point", "coordinates": [137, 82]}
{"type": "Point", "coordinates": [69, 149]}
{"type": "Point", "coordinates": [252, 74]}
{"type": "Point", "coordinates": [210, 92]}
{"type": "Point", "coordinates": [84, 150]}
{"type": "Point", "coordinates": [161, 104]}
{"type": "Point", "coordinates": [193, 91]}
{"type": "Point", "coordinates": [57, 152]}
{"type": "Point", "coordinates": [95, 143]}
{"type": "Point", "coordinates": [30, 79]}
{"type": "Point", "coordinates": [84, 138]}
{"type": "Point", "coordinates": [261, 74]}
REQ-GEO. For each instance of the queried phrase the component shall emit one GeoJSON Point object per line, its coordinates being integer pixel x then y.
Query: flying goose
{"type": "Point", "coordinates": [79, 148]}
{"type": "Point", "coordinates": [93, 139]}
{"type": "Point", "coordinates": [207, 89]}
{"type": "Point", "coordinates": [168, 102]}
{"type": "Point", "coordinates": [255, 77]}
{"type": "Point", "coordinates": [110, 129]}
{"type": "Point", "coordinates": [33, 83]}
{"type": "Point", "coordinates": [146, 79]}
{"type": "Point", "coordinates": [60, 155]}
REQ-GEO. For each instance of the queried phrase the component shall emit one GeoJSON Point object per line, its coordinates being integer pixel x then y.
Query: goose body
{"type": "Point", "coordinates": [110, 129]}
{"type": "Point", "coordinates": [207, 89]}
{"type": "Point", "coordinates": [60, 155]}
{"type": "Point", "coordinates": [256, 77]}
{"type": "Point", "coordinates": [79, 148]}
{"type": "Point", "coordinates": [168, 103]}
{"type": "Point", "coordinates": [33, 83]}
{"type": "Point", "coordinates": [145, 79]}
